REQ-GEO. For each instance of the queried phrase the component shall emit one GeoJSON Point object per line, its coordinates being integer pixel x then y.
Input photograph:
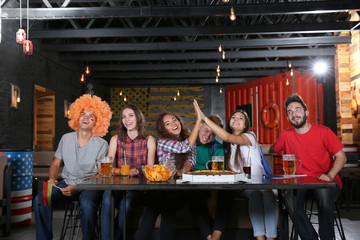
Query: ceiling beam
{"type": "Point", "coordinates": [306, 52]}
{"type": "Point", "coordinates": [176, 74]}
{"type": "Point", "coordinates": [299, 28]}
{"type": "Point", "coordinates": [317, 7]}
{"type": "Point", "coordinates": [269, 42]}
{"type": "Point", "coordinates": [198, 66]}
{"type": "Point", "coordinates": [187, 81]}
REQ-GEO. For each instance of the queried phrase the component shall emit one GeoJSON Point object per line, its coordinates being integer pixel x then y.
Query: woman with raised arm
{"type": "Point", "coordinates": [132, 143]}
{"type": "Point", "coordinates": [176, 145]}
{"type": "Point", "coordinates": [240, 141]}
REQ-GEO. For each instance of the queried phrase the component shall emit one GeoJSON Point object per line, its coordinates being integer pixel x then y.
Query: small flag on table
{"type": "Point", "coordinates": [44, 193]}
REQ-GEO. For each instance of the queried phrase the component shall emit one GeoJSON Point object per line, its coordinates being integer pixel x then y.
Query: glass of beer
{"type": "Point", "coordinates": [289, 164]}
{"type": "Point", "coordinates": [217, 163]}
{"type": "Point", "coordinates": [105, 166]}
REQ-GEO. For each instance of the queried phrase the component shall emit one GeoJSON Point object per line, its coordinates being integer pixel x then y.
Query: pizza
{"type": "Point", "coordinates": [213, 172]}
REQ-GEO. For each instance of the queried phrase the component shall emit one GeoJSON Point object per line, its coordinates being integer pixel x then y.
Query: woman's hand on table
{"type": "Point", "coordinates": [134, 172]}
{"type": "Point", "coordinates": [325, 177]}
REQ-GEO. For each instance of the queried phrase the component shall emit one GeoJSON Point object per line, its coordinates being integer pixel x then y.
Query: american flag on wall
{"type": "Point", "coordinates": [21, 186]}
{"type": "Point", "coordinates": [153, 101]}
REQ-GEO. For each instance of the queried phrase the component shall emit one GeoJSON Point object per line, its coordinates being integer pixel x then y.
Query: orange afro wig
{"type": "Point", "coordinates": [101, 111]}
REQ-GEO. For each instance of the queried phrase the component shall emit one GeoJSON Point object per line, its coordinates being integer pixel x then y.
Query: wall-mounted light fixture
{"type": "Point", "coordinates": [15, 96]}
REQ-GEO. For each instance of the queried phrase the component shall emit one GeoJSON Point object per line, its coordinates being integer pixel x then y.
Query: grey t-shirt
{"type": "Point", "coordinates": [79, 163]}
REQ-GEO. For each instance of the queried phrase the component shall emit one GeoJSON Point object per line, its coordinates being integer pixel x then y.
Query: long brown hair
{"type": "Point", "coordinates": [227, 145]}
{"type": "Point", "coordinates": [140, 123]}
{"type": "Point", "coordinates": [180, 158]}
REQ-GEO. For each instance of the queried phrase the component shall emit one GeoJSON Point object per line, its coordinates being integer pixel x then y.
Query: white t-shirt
{"type": "Point", "coordinates": [248, 152]}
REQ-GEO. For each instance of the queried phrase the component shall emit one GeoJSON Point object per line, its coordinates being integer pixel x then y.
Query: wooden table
{"type": "Point", "coordinates": [258, 183]}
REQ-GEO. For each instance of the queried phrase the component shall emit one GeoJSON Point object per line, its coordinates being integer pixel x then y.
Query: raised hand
{"type": "Point", "coordinates": [198, 111]}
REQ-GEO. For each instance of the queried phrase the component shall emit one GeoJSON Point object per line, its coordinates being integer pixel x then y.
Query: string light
{"type": "Point", "coordinates": [220, 91]}
{"type": "Point", "coordinates": [125, 99]}
{"type": "Point", "coordinates": [290, 64]}
{"type": "Point", "coordinates": [220, 48]}
{"type": "Point", "coordinates": [82, 78]}
{"type": "Point", "coordinates": [178, 92]}
{"type": "Point", "coordinates": [218, 74]}
{"type": "Point", "coordinates": [225, 1]}
{"type": "Point", "coordinates": [287, 82]}
{"type": "Point", "coordinates": [223, 55]}
{"type": "Point", "coordinates": [175, 98]}
{"type": "Point", "coordinates": [232, 14]}
{"type": "Point", "coordinates": [217, 79]}
{"type": "Point", "coordinates": [218, 69]}
{"type": "Point", "coordinates": [291, 72]}
{"type": "Point", "coordinates": [87, 71]}
{"type": "Point", "coordinates": [120, 93]}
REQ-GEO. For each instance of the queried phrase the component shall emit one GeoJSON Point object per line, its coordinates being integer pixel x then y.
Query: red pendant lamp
{"type": "Point", "coordinates": [28, 46]}
{"type": "Point", "coordinates": [20, 34]}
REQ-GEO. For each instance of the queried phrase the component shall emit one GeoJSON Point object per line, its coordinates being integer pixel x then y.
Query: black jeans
{"type": "Point", "coordinates": [325, 199]}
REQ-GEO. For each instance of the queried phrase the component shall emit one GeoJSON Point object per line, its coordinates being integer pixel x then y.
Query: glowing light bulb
{"type": "Point", "coordinates": [220, 90]}
{"type": "Point", "coordinates": [218, 69]}
{"type": "Point", "coordinates": [232, 14]}
{"type": "Point", "coordinates": [217, 79]}
{"type": "Point", "coordinates": [220, 48]}
{"type": "Point", "coordinates": [178, 93]}
{"type": "Point", "coordinates": [291, 72]}
{"type": "Point", "coordinates": [125, 99]}
{"type": "Point", "coordinates": [223, 55]}
{"type": "Point", "coordinates": [120, 93]}
{"type": "Point", "coordinates": [287, 82]}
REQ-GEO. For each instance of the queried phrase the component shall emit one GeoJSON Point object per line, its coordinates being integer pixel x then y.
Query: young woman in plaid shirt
{"type": "Point", "coordinates": [176, 145]}
{"type": "Point", "coordinates": [139, 149]}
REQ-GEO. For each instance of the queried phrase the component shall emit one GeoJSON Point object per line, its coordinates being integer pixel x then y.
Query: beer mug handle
{"type": "Point", "coordinates": [300, 165]}
{"type": "Point", "coordinates": [207, 165]}
{"type": "Point", "coordinates": [97, 166]}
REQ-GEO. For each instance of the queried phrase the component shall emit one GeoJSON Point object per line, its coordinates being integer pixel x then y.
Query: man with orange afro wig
{"type": "Point", "coordinates": [78, 151]}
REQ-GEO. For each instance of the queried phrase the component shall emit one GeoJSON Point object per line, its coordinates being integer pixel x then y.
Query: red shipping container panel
{"type": "Point", "coordinates": [261, 91]}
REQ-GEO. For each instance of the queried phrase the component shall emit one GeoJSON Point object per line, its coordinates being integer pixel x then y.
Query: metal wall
{"type": "Point", "coordinates": [259, 92]}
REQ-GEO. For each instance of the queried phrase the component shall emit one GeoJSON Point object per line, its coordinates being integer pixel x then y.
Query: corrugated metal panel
{"type": "Point", "coordinates": [259, 92]}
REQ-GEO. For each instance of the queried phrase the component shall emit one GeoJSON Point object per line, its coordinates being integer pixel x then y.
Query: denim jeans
{"type": "Point", "coordinates": [198, 206]}
{"type": "Point", "coordinates": [89, 202]}
{"type": "Point", "coordinates": [263, 212]}
{"type": "Point", "coordinates": [325, 199]}
{"type": "Point", "coordinates": [165, 203]}
{"type": "Point", "coordinates": [132, 198]}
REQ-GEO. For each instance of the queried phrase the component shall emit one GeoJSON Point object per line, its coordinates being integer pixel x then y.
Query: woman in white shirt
{"type": "Point", "coordinates": [242, 146]}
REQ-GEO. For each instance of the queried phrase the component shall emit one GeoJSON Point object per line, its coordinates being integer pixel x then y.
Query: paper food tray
{"type": "Point", "coordinates": [215, 178]}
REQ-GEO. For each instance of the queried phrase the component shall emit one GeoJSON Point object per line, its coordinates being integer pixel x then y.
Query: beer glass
{"type": "Point", "coordinates": [217, 163]}
{"type": "Point", "coordinates": [289, 164]}
{"type": "Point", "coordinates": [105, 166]}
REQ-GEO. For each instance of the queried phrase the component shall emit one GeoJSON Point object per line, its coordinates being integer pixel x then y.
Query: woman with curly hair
{"type": "Point", "coordinates": [139, 149]}
{"type": "Point", "coordinates": [78, 151]}
{"type": "Point", "coordinates": [176, 145]}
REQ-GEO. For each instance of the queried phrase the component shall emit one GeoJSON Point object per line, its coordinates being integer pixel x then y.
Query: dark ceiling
{"type": "Point", "coordinates": [176, 41]}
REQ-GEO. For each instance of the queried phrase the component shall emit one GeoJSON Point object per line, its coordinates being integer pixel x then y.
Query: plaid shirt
{"type": "Point", "coordinates": [166, 150]}
{"type": "Point", "coordinates": [136, 152]}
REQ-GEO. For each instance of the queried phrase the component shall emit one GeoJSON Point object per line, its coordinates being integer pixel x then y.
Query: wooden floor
{"type": "Point", "coordinates": [350, 220]}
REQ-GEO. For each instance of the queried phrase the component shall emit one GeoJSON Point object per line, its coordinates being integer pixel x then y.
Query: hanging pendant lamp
{"type": "Point", "coordinates": [28, 46]}
{"type": "Point", "coordinates": [20, 34]}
